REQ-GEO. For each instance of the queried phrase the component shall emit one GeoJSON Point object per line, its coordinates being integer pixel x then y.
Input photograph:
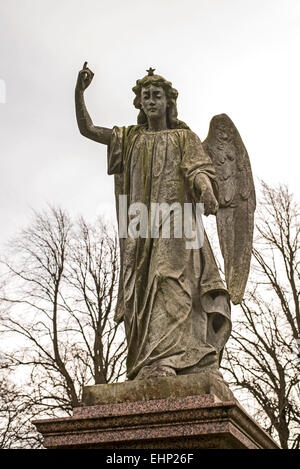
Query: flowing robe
{"type": "Point", "coordinates": [172, 299]}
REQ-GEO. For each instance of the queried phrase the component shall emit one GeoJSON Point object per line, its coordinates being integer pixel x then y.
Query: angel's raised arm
{"type": "Point", "coordinates": [84, 121]}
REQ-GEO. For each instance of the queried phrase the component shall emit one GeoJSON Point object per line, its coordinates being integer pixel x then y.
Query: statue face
{"type": "Point", "coordinates": [153, 101]}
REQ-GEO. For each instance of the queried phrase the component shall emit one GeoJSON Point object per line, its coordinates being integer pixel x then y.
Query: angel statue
{"type": "Point", "coordinates": [175, 306]}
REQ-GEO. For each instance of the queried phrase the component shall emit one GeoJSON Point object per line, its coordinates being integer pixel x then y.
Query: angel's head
{"type": "Point", "coordinates": [155, 96]}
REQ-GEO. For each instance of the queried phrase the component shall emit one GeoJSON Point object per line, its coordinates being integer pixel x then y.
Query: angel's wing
{"type": "Point", "coordinates": [235, 218]}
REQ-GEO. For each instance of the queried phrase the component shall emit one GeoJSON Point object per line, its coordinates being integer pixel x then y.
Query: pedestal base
{"type": "Point", "coordinates": [194, 419]}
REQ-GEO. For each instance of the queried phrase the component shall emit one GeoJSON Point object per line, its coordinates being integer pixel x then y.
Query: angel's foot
{"type": "Point", "coordinates": [155, 370]}
{"type": "Point", "coordinates": [208, 363]}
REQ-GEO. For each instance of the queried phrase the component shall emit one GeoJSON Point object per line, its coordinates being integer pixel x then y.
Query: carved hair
{"type": "Point", "coordinates": [171, 95]}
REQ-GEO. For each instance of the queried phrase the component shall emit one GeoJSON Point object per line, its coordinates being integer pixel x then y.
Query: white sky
{"type": "Point", "coordinates": [240, 57]}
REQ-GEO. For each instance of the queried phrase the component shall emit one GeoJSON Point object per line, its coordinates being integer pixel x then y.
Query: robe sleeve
{"type": "Point", "coordinates": [115, 151]}
{"type": "Point", "coordinates": [195, 161]}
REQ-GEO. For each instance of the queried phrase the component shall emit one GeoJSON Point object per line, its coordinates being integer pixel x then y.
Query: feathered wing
{"type": "Point", "coordinates": [235, 217]}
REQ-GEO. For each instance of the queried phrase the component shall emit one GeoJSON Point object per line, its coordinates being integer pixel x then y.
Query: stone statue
{"type": "Point", "coordinates": [174, 304]}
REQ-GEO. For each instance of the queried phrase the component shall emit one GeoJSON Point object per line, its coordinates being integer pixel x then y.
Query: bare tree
{"type": "Point", "coordinates": [93, 277]}
{"type": "Point", "coordinates": [16, 412]}
{"type": "Point", "coordinates": [262, 355]}
{"type": "Point", "coordinates": [60, 282]}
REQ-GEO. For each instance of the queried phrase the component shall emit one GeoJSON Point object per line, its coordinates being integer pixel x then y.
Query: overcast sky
{"type": "Point", "coordinates": [240, 57]}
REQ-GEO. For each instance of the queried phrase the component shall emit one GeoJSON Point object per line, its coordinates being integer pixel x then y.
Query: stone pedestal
{"type": "Point", "coordinates": [181, 412]}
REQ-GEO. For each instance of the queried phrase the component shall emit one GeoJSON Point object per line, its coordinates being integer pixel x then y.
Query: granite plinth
{"type": "Point", "coordinates": [198, 421]}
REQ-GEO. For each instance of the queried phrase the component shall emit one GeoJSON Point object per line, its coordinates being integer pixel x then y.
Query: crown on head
{"type": "Point", "coordinates": [151, 71]}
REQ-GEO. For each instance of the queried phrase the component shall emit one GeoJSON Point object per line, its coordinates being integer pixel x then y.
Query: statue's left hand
{"type": "Point", "coordinates": [211, 205]}
{"type": "Point", "coordinates": [204, 189]}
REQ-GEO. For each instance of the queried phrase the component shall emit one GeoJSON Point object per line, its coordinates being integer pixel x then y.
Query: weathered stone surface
{"type": "Point", "coordinates": [194, 422]}
{"type": "Point", "coordinates": [174, 304]}
{"type": "Point", "coordinates": [158, 388]}
{"type": "Point", "coordinates": [235, 217]}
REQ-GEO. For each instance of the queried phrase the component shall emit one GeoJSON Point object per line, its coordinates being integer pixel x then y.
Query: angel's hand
{"type": "Point", "coordinates": [84, 79]}
{"type": "Point", "coordinates": [211, 205]}
{"type": "Point", "coordinates": [204, 189]}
